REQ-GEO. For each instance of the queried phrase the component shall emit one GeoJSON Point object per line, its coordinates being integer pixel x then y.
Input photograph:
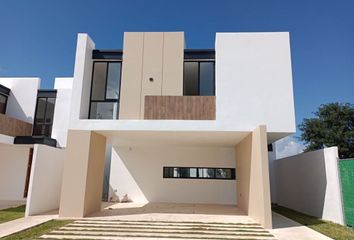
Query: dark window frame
{"type": "Point", "coordinates": [107, 61]}
{"type": "Point", "coordinates": [5, 92]}
{"type": "Point", "coordinates": [107, 54]}
{"type": "Point", "coordinates": [199, 61]}
{"type": "Point", "coordinates": [199, 54]}
{"type": "Point", "coordinates": [233, 173]}
{"type": "Point", "coordinates": [6, 100]}
{"type": "Point", "coordinates": [44, 94]}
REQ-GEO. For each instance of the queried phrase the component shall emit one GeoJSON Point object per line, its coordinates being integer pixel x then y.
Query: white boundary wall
{"type": "Point", "coordinates": [13, 170]}
{"type": "Point", "coordinates": [23, 97]}
{"type": "Point", "coordinates": [309, 183]}
{"type": "Point", "coordinates": [45, 181]}
{"type": "Point", "coordinates": [138, 172]}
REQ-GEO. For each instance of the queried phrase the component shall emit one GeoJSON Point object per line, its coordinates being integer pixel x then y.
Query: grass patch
{"type": "Point", "coordinates": [10, 214]}
{"type": "Point", "coordinates": [38, 231]}
{"type": "Point", "coordinates": [330, 229]}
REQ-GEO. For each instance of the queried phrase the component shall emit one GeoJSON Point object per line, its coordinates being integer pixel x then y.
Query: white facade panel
{"type": "Point", "coordinates": [62, 110]}
{"type": "Point", "coordinates": [254, 81]}
{"type": "Point", "coordinates": [82, 79]}
{"type": "Point", "coordinates": [23, 97]}
{"type": "Point", "coordinates": [138, 172]}
{"type": "Point", "coordinates": [13, 170]}
{"type": "Point", "coordinates": [45, 181]}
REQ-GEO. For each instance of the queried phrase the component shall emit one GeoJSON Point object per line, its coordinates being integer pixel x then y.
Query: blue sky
{"type": "Point", "coordinates": [38, 38]}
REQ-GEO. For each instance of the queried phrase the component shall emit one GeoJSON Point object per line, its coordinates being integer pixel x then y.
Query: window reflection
{"type": "Point", "coordinates": [43, 121]}
{"type": "Point", "coordinates": [199, 78]}
{"type": "Point", "coordinates": [3, 101]}
{"type": "Point", "coordinates": [200, 173]}
{"type": "Point", "coordinates": [105, 90]}
{"type": "Point", "coordinates": [103, 110]}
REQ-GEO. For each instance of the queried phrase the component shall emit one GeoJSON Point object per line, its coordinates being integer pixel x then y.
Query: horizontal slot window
{"type": "Point", "coordinates": [199, 173]}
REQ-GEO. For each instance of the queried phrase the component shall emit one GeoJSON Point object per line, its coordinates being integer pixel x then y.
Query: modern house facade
{"type": "Point", "coordinates": [158, 122]}
{"type": "Point", "coordinates": [178, 125]}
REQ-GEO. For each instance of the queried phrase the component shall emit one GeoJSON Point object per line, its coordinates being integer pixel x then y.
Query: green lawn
{"type": "Point", "coordinates": [38, 231]}
{"type": "Point", "coordinates": [10, 214]}
{"type": "Point", "coordinates": [332, 230]}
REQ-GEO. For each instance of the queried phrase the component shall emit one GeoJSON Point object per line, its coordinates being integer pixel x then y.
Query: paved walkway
{"type": "Point", "coordinates": [133, 221]}
{"type": "Point", "coordinates": [286, 229]}
{"type": "Point", "coordinates": [21, 224]}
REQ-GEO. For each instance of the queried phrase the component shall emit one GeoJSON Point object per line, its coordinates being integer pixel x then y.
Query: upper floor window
{"type": "Point", "coordinates": [105, 90]}
{"type": "Point", "coordinates": [199, 73]}
{"type": "Point", "coordinates": [198, 78]}
{"type": "Point", "coordinates": [44, 115]}
{"type": "Point", "coordinates": [4, 94]}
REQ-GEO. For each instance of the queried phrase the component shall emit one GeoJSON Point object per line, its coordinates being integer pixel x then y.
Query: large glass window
{"type": "Point", "coordinates": [199, 173]}
{"type": "Point", "coordinates": [43, 121]}
{"type": "Point", "coordinates": [3, 102]}
{"type": "Point", "coordinates": [199, 78]}
{"type": "Point", "coordinates": [105, 89]}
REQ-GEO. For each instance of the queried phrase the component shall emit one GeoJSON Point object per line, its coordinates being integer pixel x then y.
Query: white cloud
{"type": "Point", "coordinates": [288, 146]}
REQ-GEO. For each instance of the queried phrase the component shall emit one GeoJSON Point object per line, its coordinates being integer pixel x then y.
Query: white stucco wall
{"type": "Point", "coordinates": [254, 81]}
{"type": "Point", "coordinates": [5, 139]}
{"type": "Point", "coordinates": [309, 183]}
{"type": "Point", "coordinates": [23, 97]}
{"type": "Point", "coordinates": [82, 79]}
{"type": "Point", "coordinates": [62, 110]}
{"type": "Point", "coordinates": [13, 170]}
{"type": "Point", "coordinates": [138, 172]}
{"type": "Point", "coordinates": [45, 181]}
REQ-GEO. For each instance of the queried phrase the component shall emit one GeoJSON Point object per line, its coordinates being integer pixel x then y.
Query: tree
{"type": "Point", "coordinates": [332, 126]}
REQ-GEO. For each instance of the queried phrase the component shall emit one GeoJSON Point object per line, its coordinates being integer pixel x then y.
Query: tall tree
{"type": "Point", "coordinates": [332, 126]}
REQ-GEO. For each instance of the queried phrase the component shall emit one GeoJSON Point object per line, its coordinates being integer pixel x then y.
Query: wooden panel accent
{"type": "Point", "coordinates": [14, 127]}
{"type": "Point", "coordinates": [180, 107]}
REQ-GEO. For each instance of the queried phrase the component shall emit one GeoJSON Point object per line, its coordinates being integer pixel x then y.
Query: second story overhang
{"type": "Point", "coordinates": [155, 83]}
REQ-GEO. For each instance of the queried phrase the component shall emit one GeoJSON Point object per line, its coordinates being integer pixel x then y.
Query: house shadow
{"type": "Point", "coordinates": [124, 209]}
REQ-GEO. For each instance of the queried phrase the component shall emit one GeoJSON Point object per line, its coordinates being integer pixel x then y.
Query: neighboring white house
{"type": "Point", "coordinates": [161, 123]}
{"type": "Point", "coordinates": [17, 106]}
{"type": "Point", "coordinates": [29, 170]}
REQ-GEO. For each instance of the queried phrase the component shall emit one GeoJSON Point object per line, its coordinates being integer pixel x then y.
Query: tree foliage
{"type": "Point", "coordinates": [331, 126]}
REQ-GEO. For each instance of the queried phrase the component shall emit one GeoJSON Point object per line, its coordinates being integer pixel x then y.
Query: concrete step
{"type": "Point", "coordinates": [169, 228]}
{"type": "Point", "coordinates": [193, 235]}
{"type": "Point", "coordinates": [153, 223]}
{"type": "Point", "coordinates": [74, 237]}
{"type": "Point", "coordinates": [163, 231]}
{"type": "Point", "coordinates": [168, 222]}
